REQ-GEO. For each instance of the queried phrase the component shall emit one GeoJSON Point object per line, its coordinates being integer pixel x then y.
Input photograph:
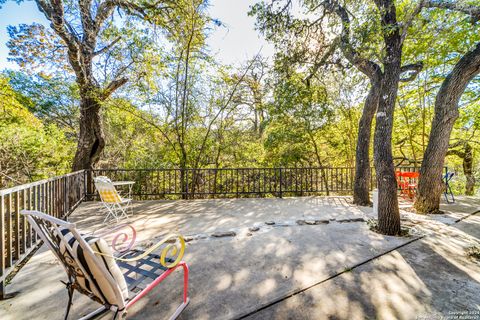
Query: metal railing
{"type": "Point", "coordinates": [231, 182]}
{"type": "Point", "coordinates": [57, 196]}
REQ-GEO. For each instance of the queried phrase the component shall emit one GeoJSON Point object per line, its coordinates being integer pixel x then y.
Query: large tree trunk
{"type": "Point", "coordinates": [430, 185]}
{"type": "Point", "coordinates": [446, 112]}
{"type": "Point", "coordinates": [361, 188]}
{"type": "Point", "coordinates": [468, 170]}
{"type": "Point", "coordinates": [388, 212]}
{"type": "Point", "coordinates": [91, 140]}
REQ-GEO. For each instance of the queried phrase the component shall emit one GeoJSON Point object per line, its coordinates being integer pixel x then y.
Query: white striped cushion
{"type": "Point", "coordinates": [105, 292]}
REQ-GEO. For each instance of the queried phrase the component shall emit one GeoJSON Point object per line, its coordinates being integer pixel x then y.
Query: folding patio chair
{"type": "Point", "coordinates": [448, 193]}
{"type": "Point", "coordinates": [116, 205]}
{"type": "Point", "coordinates": [115, 281]}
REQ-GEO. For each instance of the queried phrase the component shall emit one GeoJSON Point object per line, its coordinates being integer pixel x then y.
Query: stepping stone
{"type": "Point", "coordinates": [221, 234]}
{"type": "Point", "coordinates": [312, 222]}
{"type": "Point", "coordinates": [188, 238]}
{"type": "Point", "coordinates": [351, 220]}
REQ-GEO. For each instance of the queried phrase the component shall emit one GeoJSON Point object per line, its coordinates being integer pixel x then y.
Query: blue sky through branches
{"type": "Point", "coordinates": [234, 42]}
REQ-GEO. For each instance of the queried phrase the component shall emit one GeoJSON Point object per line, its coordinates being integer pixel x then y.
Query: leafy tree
{"type": "Point", "coordinates": [49, 98]}
{"type": "Point", "coordinates": [446, 113]}
{"type": "Point", "coordinates": [254, 93]}
{"type": "Point", "coordinates": [29, 150]}
{"type": "Point", "coordinates": [100, 49]}
{"type": "Point", "coordinates": [378, 54]}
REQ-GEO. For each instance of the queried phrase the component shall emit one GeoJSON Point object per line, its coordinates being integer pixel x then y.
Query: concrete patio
{"type": "Point", "coordinates": [293, 258]}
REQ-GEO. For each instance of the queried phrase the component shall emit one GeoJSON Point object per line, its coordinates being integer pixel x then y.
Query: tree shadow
{"type": "Point", "coordinates": [236, 276]}
{"type": "Point", "coordinates": [430, 278]}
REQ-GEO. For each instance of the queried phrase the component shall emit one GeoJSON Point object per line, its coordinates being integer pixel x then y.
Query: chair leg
{"type": "Point", "coordinates": [185, 299]}
{"type": "Point", "coordinates": [95, 313]}
{"type": "Point", "coordinates": [109, 213]}
{"type": "Point", "coordinates": [70, 299]}
{"type": "Point", "coordinates": [185, 282]}
{"type": "Point", "coordinates": [123, 211]}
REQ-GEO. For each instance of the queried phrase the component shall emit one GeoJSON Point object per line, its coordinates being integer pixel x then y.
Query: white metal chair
{"type": "Point", "coordinates": [116, 205]}
{"type": "Point", "coordinates": [116, 281]}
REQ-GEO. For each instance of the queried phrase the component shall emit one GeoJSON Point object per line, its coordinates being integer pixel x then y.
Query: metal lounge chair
{"type": "Point", "coordinates": [116, 281]}
{"type": "Point", "coordinates": [116, 205]}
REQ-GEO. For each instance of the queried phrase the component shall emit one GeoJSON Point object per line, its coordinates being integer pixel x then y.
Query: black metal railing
{"type": "Point", "coordinates": [235, 182]}
{"type": "Point", "coordinates": [231, 182]}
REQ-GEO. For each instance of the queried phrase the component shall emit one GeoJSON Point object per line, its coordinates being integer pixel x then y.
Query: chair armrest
{"type": "Point", "coordinates": [120, 231]}
{"type": "Point", "coordinates": [175, 246]}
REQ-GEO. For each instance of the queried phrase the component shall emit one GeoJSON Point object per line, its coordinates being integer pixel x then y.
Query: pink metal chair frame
{"type": "Point", "coordinates": [45, 226]}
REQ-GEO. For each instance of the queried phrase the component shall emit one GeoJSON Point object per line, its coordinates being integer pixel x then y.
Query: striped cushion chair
{"type": "Point", "coordinates": [115, 277]}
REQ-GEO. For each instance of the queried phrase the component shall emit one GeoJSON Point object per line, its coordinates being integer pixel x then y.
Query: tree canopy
{"type": "Point", "coordinates": [163, 100]}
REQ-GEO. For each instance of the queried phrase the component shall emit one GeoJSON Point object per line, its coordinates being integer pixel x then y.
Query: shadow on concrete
{"type": "Point", "coordinates": [235, 276]}
{"type": "Point", "coordinates": [428, 279]}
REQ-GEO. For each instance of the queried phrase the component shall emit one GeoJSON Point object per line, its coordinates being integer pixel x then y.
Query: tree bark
{"type": "Point", "coordinates": [361, 187]}
{"type": "Point", "coordinates": [388, 212]}
{"type": "Point", "coordinates": [467, 162]}
{"type": "Point", "coordinates": [468, 170]}
{"type": "Point", "coordinates": [446, 112]}
{"type": "Point", "coordinates": [91, 140]}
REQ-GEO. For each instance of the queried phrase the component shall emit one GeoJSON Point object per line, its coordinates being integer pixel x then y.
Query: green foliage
{"type": "Point", "coordinates": [49, 98]}
{"type": "Point", "coordinates": [35, 47]}
{"type": "Point", "coordinates": [181, 108]}
{"type": "Point", "coordinates": [29, 150]}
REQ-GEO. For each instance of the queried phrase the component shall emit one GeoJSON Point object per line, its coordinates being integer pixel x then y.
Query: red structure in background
{"type": "Point", "coordinates": [407, 184]}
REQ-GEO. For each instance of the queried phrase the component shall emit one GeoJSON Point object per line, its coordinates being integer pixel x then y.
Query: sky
{"type": "Point", "coordinates": [232, 43]}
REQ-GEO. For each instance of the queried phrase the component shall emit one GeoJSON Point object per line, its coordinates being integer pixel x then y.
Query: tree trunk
{"type": "Point", "coordinates": [388, 212]}
{"type": "Point", "coordinates": [430, 186]}
{"type": "Point", "coordinates": [446, 112]}
{"type": "Point", "coordinates": [468, 170]}
{"type": "Point", "coordinates": [361, 188]}
{"type": "Point", "coordinates": [91, 140]}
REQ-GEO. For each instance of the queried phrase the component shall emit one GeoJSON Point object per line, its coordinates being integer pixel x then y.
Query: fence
{"type": "Point", "coordinates": [235, 182]}
{"type": "Point", "coordinates": [57, 196]}
{"type": "Point", "coordinates": [232, 182]}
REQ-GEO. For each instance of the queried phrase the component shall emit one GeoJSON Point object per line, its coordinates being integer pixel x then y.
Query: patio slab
{"type": "Point", "coordinates": [235, 276]}
{"type": "Point", "coordinates": [431, 278]}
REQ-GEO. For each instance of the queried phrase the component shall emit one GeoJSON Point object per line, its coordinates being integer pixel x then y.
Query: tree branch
{"type": "Point", "coordinates": [54, 13]}
{"type": "Point", "coordinates": [323, 60]}
{"type": "Point", "coordinates": [85, 15]}
{"type": "Point", "coordinates": [107, 47]}
{"type": "Point", "coordinates": [114, 85]}
{"type": "Point", "coordinates": [458, 153]}
{"type": "Point", "coordinates": [409, 20]}
{"type": "Point", "coordinates": [414, 70]}
{"type": "Point", "coordinates": [369, 68]}
{"type": "Point", "coordinates": [225, 105]}
{"type": "Point", "coordinates": [469, 9]}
